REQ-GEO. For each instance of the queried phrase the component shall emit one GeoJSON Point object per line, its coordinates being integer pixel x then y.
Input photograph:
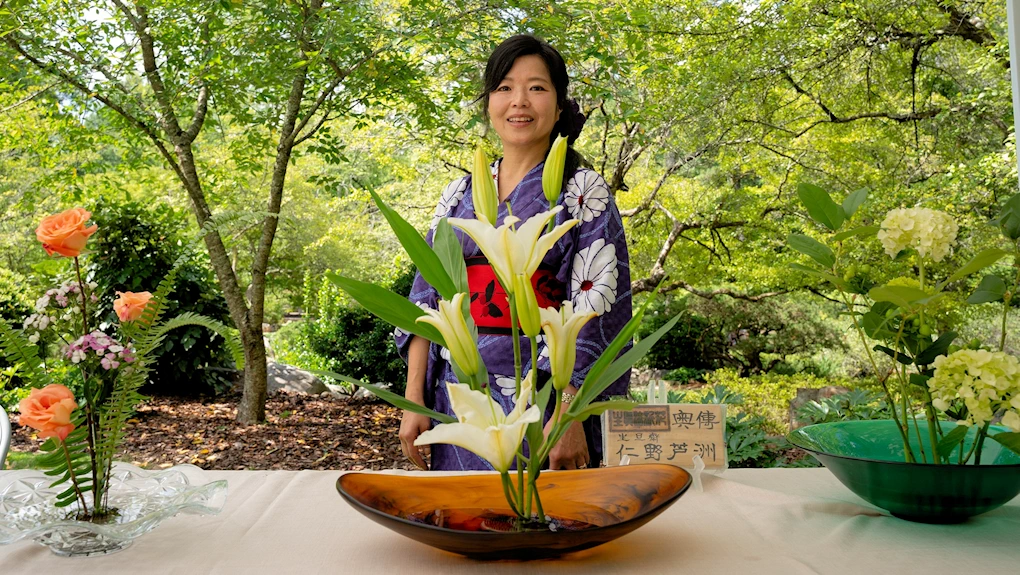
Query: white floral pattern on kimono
{"type": "Point", "coordinates": [586, 195]}
{"type": "Point", "coordinates": [593, 278]}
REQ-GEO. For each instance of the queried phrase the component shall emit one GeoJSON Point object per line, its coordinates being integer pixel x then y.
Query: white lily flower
{"type": "Point", "coordinates": [514, 251]}
{"type": "Point", "coordinates": [449, 320]}
{"type": "Point", "coordinates": [561, 329]}
{"type": "Point", "coordinates": [482, 428]}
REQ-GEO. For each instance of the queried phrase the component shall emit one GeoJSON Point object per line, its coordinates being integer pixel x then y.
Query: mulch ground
{"type": "Point", "coordinates": [300, 432]}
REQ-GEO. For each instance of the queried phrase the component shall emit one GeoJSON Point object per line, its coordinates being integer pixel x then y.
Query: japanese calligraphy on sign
{"type": "Point", "coordinates": [672, 433]}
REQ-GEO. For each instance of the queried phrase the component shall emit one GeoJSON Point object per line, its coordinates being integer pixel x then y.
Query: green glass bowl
{"type": "Point", "coordinates": [867, 456]}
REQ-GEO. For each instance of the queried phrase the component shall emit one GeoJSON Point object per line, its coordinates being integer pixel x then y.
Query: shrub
{"type": "Point", "coordinates": [758, 336]}
{"type": "Point", "coordinates": [345, 338]}
{"type": "Point", "coordinates": [15, 303]}
{"type": "Point", "coordinates": [134, 249]}
{"type": "Point", "coordinates": [692, 343]}
{"type": "Point", "coordinates": [15, 306]}
{"type": "Point", "coordinates": [769, 395]}
{"type": "Point", "coordinates": [856, 405]}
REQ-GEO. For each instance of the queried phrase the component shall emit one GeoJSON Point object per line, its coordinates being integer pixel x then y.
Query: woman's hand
{"type": "Point", "coordinates": [414, 424]}
{"type": "Point", "coordinates": [571, 452]}
{"type": "Point", "coordinates": [411, 426]}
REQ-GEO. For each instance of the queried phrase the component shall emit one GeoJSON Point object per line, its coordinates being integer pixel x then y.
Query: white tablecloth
{"type": "Point", "coordinates": [746, 521]}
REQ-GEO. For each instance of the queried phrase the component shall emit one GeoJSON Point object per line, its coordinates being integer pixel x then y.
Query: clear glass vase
{"type": "Point", "coordinates": [141, 499]}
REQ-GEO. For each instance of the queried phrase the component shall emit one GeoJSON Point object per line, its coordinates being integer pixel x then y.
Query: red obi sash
{"type": "Point", "coordinates": [490, 308]}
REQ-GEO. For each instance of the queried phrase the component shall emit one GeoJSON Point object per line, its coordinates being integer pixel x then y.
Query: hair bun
{"type": "Point", "coordinates": [574, 121]}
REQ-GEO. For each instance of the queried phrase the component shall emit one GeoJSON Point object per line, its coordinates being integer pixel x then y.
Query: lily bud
{"type": "Point", "coordinates": [527, 306]}
{"type": "Point", "coordinates": [552, 173]}
{"type": "Point", "coordinates": [561, 329]}
{"type": "Point", "coordinates": [483, 190]}
{"type": "Point", "coordinates": [450, 322]}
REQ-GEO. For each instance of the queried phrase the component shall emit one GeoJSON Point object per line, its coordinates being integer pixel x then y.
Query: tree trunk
{"type": "Point", "coordinates": [252, 408]}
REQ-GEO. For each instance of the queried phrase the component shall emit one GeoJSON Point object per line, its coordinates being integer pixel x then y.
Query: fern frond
{"type": "Point", "coordinates": [158, 304]}
{"type": "Point", "coordinates": [18, 350]}
{"type": "Point", "coordinates": [154, 338]}
{"type": "Point", "coordinates": [54, 461]}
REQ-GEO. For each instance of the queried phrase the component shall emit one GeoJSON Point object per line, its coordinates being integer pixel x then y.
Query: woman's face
{"type": "Point", "coordinates": [523, 107]}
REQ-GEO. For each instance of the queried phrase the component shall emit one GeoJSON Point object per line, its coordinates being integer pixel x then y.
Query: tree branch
{"type": "Point", "coordinates": [67, 78]}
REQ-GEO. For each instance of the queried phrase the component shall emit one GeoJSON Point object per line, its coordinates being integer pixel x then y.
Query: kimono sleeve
{"type": "Point", "coordinates": [599, 272]}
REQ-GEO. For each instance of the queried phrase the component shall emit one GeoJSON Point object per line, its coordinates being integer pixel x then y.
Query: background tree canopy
{"type": "Point", "coordinates": [270, 122]}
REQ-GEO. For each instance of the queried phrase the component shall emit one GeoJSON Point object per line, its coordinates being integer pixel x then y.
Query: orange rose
{"type": "Point", "coordinates": [49, 411]}
{"type": "Point", "coordinates": [130, 305]}
{"type": "Point", "coordinates": [65, 233]}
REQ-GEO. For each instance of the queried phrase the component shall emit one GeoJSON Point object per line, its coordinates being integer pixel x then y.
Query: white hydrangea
{"type": "Point", "coordinates": [930, 232]}
{"type": "Point", "coordinates": [986, 381]}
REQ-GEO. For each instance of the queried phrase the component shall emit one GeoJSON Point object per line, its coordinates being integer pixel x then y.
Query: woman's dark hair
{"type": "Point", "coordinates": [499, 64]}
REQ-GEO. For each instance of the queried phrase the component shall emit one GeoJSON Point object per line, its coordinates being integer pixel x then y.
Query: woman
{"type": "Point", "coordinates": [525, 99]}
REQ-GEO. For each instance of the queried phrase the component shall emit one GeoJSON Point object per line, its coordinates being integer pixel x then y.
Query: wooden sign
{"type": "Point", "coordinates": [671, 433]}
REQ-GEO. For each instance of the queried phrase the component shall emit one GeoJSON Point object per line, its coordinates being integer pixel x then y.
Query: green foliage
{"type": "Point", "coordinates": [769, 395]}
{"type": "Point", "coordinates": [693, 343]}
{"type": "Point", "coordinates": [858, 404]}
{"type": "Point", "coordinates": [345, 339]}
{"type": "Point", "coordinates": [356, 343]}
{"type": "Point", "coordinates": [15, 303]}
{"type": "Point", "coordinates": [758, 336]}
{"type": "Point", "coordinates": [68, 460]}
{"type": "Point", "coordinates": [684, 374]}
{"type": "Point", "coordinates": [135, 248]}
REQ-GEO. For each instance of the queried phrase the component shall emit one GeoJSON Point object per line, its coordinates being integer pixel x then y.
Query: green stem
{"type": "Point", "coordinates": [516, 334]}
{"type": "Point", "coordinates": [520, 479]}
{"type": "Point", "coordinates": [74, 478]}
{"type": "Point", "coordinates": [904, 389]}
{"type": "Point", "coordinates": [533, 489]}
{"type": "Point", "coordinates": [508, 492]}
{"type": "Point", "coordinates": [933, 425]}
{"type": "Point", "coordinates": [881, 380]}
{"type": "Point", "coordinates": [534, 367]}
{"type": "Point", "coordinates": [982, 434]}
{"type": "Point", "coordinates": [1008, 297]}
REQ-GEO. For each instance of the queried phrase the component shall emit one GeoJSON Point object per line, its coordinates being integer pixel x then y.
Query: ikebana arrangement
{"type": "Point", "coordinates": [514, 249]}
{"type": "Point", "coordinates": [944, 397]}
{"type": "Point", "coordinates": [82, 434]}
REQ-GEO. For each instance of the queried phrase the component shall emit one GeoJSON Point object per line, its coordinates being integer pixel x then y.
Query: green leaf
{"type": "Point", "coordinates": [919, 380]}
{"type": "Point", "coordinates": [600, 407]}
{"type": "Point", "coordinates": [902, 296]}
{"type": "Point", "coordinates": [1009, 440]}
{"type": "Point", "coordinates": [991, 288]}
{"type": "Point", "coordinates": [898, 356]}
{"type": "Point", "coordinates": [977, 263]}
{"type": "Point", "coordinates": [812, 248]}
{"type": "Point", "coordinates": [952, 440]}
{"type": "Point", "coordinates": [853, 201]}
{"type": "Point", "coordinates": [1009, 218]}
{"type": "Point", "coordinates": [820, 274]}
{"type": "Point", "coordinates": [591, 389]}
{"type": "Point", "coordinates": [390, 307]}
{"type": "Point", "coordinates": [618, 343]}
{"type": "Point", "coordinates": [390, 397]}
{"type": "Point", "coordinates": [448, 248]}
{"type": "Point", "coordinates": [939, 347]}
{"type": "Point", "coordinates": [429, 265]}
{"type": "Point", "coordinates": [862, 231]}
{"type": "Point", "coordinates": [820, 206]}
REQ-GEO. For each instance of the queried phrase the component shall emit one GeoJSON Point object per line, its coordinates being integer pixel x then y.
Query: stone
{"type": "Point", "coordinates": [281, 376]}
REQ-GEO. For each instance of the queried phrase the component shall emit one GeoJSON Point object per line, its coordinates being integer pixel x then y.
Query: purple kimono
{"type": "Point", "coordinates": [590, 262]}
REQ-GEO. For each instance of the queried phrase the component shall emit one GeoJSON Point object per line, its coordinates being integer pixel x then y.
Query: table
{"type": "Point", "coordinates": [754, 521]}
